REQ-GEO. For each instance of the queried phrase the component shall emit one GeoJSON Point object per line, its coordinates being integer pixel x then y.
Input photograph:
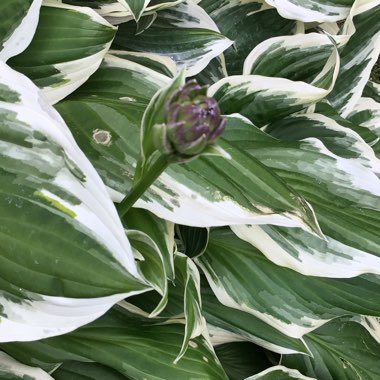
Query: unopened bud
{"type": "Point", "coordinates": [193, 122]}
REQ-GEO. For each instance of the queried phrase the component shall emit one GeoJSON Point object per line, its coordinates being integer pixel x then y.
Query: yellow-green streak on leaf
{"type": "Point", "coordinates": [56, 204]}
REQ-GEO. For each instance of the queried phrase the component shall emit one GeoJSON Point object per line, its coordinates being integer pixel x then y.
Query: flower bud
{"type": "Point", "coordinates": [192, 122]}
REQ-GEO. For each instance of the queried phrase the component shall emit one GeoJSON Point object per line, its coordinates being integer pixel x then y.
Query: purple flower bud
{"type": "Point", "coordinates": [193, 121]}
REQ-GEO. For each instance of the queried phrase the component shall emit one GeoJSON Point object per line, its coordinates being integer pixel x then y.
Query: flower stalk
{"type": "Point", "coordinates": [192, 123]}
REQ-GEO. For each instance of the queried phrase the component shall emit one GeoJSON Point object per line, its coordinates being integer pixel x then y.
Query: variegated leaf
{"type": "Point", "coordinates": [242, 359]}
{"type": "Point", "coordinates": [243, 192]}
{"type": "Point", "coordinates": [343, 188]}
{"type": "Point", "coordinates": [65, 258]}
{"type": "Point", "coordinates": [163, 65]}
{"type": "Point", "coordinates": [213, 72]}
{"type": "Point", "coordinates": [372, 90]}
{"type": "Point", "coordinates": [18, 23]}
{"type": "Point", "coordinates": [160, 231]}
{"type": "Point", "coordinates": [335, 135]}
{"type": "Point", "coordinates": [184, 303]}
{"type": "Point", "coordinates": [227, 324]}
{"type": "Point", "coordinates": [224, 324]}
{"type": "Point", "coordinates": [358, 55]}
{"type": "Point", "coordinates": [312, 10]}
{"type": "Point", "coordinates": [371, 324]}
{"type": "Point", "coordinates": [119, 11]}
{"type": "Point", "coordinates": [366, 134]}
{"type": "Point", "coordinates": [356, 358]}
{"type": "Point", "coordinates": [247, 23]}
{"type": "Point", "coordinates": [68, 46]}
{"type": "Point", "coordinates": [276, 57]}
{"type": "Point", "coordinates": [74, 370]}
{"type": "Point", "coordinates": [151, 265]}
{"type": "Point", "coordinates": [242, 278]}
{"type": "Point", "coordinates": [279, 372]}
{"type": "Point", "coordinates": [137, 347]}
{"type": "Point", "coordinates": [13, 370]}
{"type": "Point", "coordinates": [366, 112]}
{"type": "Point", "coordinates": [190, 41]}
{"type": "Point", "coordinates": [195, 325]}
{"type": "Point", "coordinates": [136, 7]}
{"type": "Point", "coordinates": [192, 241]}
{"type": "Point", "coordinates": [264, 99]}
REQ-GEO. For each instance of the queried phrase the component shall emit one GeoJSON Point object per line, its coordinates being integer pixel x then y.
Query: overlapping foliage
{"type": "Point", "coordinates": [263, 263]}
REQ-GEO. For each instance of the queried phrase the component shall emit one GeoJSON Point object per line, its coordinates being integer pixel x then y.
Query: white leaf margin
{"type": "Point", "coordinates": [12, 367]}
{"type": "Point", "coordinates": [302, 93]}
{"type": "Point", "coordinates": [52, 125]}
{"type": "Point", "coordinates": [294, 330]}
{"type": "Point", "coordinates": [371, 324]}
{"type": "Point", "coordinates": [42, 316]}
{"type": "Point", "coordinates": [373, 110]}
{"type": "Point", "coordinates": [22, 36]}
{"type": "Point", "coordinates": [220, 336]}
{"type": "Point", "coordinates": [349, 29]}
{"type": "Point", "coordinates": [199, 19]}
{"type": "Point", "coordinates": [135, 16]}
{"type": "Point", "coordinates": [350, 262]}
{"type": "Point", "coordinates": [291, 373]}
{"type": "Point", "coordinates": [300, 41]}
{"type": "Point", "coordinates": [293, 10]}
{"type": "Point", "coordinates": [76, 72]}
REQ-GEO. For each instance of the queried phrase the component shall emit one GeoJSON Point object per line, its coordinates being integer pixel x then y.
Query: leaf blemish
{"type": "Point", "coordinates": [102, 137]}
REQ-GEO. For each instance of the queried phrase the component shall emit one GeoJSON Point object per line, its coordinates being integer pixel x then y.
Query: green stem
{"type": "Point", "coordinates": [142, 185]}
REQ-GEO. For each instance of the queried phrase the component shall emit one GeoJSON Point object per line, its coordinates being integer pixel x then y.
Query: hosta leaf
{"type": "Point", "coordinates": [371, 324]}
{"type": "Point", "coordinates": [86, 371]}
{"type": "Point", "coordinates": [224, 324]}
{"type": "Point", "coordinates": [119, 11]}
{"type": "Point", "coordinates": [265, 99]}
{"type": "Point", "coordinates": [303, 252]}
{"type": "Point", "coordinates": [18, 20]}
{"type": "Point", "coordinates": [227, 324]}
{"type": "Point", "coordinates": [313, 10]}
{"type": "Point", "coordinates": [151, 265]}
{"type": "Point", "coordinates": [13, 370]}
{"type": "Point", "coordinates": [244, 191]}
{"type": "Point", "coordinates": [242, 278]}
{"type": "Point", "coordinates": [279, 372]}
{"type": "Point", "coordinates": [192, 240]}
{"type": "Point", "coordinates": [336, 137]}
{"type": "Point", "coordinates": [298, 58]}
{"type": "Point", "coordinates": [242, 359]}
{"type": "Point", "coordinates": [247, 23]}
{"type": "Point", "coordinates": [136, 347]}
{"type": "Point", "coordinates": [188, 276]}
{"type": "Point", "coordinates": [161, 231]}
{"type": "Point", "coordinates": [68, 46]}
{"type": "Point", "coordinates": [366, 113]}
{"type": "Point", "coordinates": [163, 65]}
{"type": "Point", "coordinates": [187, 305]}
{"type": "Point", "coordinates": [372, 90]}
{"type": "Point", "coordinates": [367, 135]}
{"type": "Point", "coordinates": [135, 6]}
{"type": "Point", "coordinates": [343, 191]}
{"type": "Point", "coordinates": [145, 22]}
{"type": "Point", "coordinates": [213, 72]}
{"type": "Point", "coordinates": [65, 258]}
{"type": "Point", "coordinates": [190, 41]}
{"type": "Point", "coordinates": [358, 56]}
{"type": "Point", "coordinates": [342, 350]}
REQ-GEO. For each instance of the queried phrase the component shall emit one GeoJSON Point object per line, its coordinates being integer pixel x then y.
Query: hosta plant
{"type": "Point", "coordinates": [189, 189]}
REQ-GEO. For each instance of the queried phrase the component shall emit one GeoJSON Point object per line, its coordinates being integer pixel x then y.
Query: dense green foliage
{"type": "Point", "coordinates": [250, 255]}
